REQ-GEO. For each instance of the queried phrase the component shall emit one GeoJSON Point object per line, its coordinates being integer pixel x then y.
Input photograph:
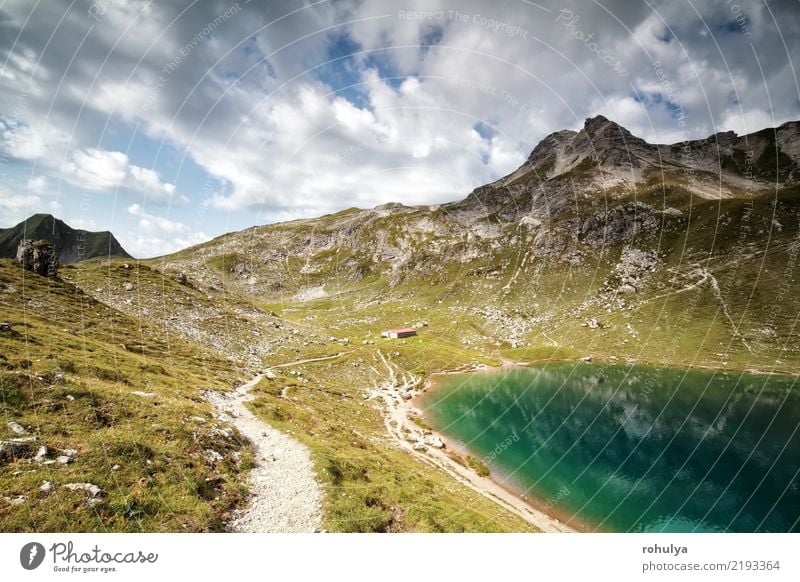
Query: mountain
{"type": "Point", "coordinates": [72, 245]}
{"type": "Point", "coordinates": [597, 225]}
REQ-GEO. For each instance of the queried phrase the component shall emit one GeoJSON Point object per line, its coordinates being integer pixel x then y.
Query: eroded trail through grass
{"type": "Point", "coordinates": [285, 494]}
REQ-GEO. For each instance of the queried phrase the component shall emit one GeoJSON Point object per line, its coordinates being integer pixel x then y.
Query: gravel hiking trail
{"type": "Point", "coordinates": [285, 494]}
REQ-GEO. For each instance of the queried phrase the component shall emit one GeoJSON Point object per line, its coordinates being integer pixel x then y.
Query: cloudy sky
{"type": "Point", "coordinates": [173, 122]}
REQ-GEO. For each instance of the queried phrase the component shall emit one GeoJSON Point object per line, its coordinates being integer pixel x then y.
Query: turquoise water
{"type": "Point", "coordinates": [634, 448]}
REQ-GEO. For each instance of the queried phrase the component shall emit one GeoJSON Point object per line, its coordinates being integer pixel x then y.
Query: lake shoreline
{"type": "Point", "coordinates": [500, 478]}
{"type": "Point", "coordinates": [534, 503]}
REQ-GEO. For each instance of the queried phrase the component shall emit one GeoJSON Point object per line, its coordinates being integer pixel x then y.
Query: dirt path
{"type": "Point", "coordinates": [394, 391]}
{"type": "Point", "coordinates": [285, 494]}
{"type": "Point", "coordinates": [321, 359]}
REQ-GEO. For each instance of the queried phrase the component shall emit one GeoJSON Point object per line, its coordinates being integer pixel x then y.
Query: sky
{"type": "Point", "coordinates": [170, 123]}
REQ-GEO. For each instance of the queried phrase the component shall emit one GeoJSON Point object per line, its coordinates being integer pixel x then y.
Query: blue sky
{"type": "Point", "coordinates": [171, 123]}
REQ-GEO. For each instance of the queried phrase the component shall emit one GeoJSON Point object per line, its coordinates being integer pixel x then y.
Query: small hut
{"type": "Point", "coordinates": [399, 333]}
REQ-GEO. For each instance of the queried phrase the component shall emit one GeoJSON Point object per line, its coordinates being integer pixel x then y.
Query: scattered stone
{"type": "Point", "coordinates": [70, 397]}
{"type": "Point", "coordinates": [198, 419]}
{"type": "Point", "coordinates": [45, 489]}
{"type": "Point", "coordinates": [4, 326]}
{"type": "Point", "coordinates": [116, 468]}
{"type": "Point", "coordinates": [211, 456]}
{"type": "Point", "coordinates": [18, 448]}
{"type": "Point", "coordinates": [586, 359]}
{"type": "Point", "coordinates": [70, 452]}
{"type": "Point", "coordinates": [16, 428]}
{"type": "Point", "coordinates": [593, 323]}
{"type": "Point", "coordinates": [40, 454]}
{"type": "Point", "coordinates": [434, 441]}
{"type": "Point", "coordinates": [226, 433]}
{"type": "Point", "coordinates": [127, 286]}
{"type": "Point", "coordinates": [143, 394]}
{"type": "Point", "coordinates": [91, 490]}
{"type": "Point", "coordinates": [419, 446]}
{"type": "Point", "coordinates": [16, 500]}
{"type": "Point", "coordinates": [63, 460]}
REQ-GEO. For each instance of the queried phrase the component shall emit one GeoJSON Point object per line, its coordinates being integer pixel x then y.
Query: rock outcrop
{"type": "Point", "coordinates": [39, 257]}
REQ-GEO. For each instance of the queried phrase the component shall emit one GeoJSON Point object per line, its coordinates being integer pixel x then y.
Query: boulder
{"type": "Point", "coordinates": [19, 448]}
{"type": "Point", "coordinates": [39, 257]}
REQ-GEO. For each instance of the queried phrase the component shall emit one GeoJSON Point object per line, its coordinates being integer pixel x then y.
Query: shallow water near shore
{"type": "Point", "coordinates": [634, 448]}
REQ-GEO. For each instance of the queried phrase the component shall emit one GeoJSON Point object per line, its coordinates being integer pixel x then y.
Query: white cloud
{"type": "Point", "coordinates": [14, 208]}
{"type": "Point", "coordinates": [251, 106]}
{"type": "Point", "coordinates": [38, 185]}
{"type": "Point", "coordinates": [157, 235]}
{"type": "Point", "coordinates": [103, 170]}
{"type": "Point", "coordinates": [27, 142]}
{"type": "Point", "coordinates": [97, 169]}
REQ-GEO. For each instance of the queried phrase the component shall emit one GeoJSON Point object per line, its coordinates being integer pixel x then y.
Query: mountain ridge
{"type": "Point", "coordinates": [72, 245]}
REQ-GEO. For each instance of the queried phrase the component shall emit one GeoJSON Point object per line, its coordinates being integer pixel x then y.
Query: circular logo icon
{"type": "Point", "coordinates": [31, 555]}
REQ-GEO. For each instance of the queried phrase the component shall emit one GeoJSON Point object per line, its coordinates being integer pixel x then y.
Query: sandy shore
{"type": "Point", "coordinates": [399, 409]}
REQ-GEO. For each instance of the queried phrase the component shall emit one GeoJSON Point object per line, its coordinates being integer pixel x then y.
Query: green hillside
{"type": "Point", "coordinates": [72, 245]}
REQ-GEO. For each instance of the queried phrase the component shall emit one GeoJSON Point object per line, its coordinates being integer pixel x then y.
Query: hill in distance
{"type": "Point", "coordinates": [72, 245]}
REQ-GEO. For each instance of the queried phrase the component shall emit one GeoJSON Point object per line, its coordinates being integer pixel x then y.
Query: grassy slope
{"type": "Point", "coordinates": [369, 484]}
{"type": "Point", "coordinates": [163, 483]}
